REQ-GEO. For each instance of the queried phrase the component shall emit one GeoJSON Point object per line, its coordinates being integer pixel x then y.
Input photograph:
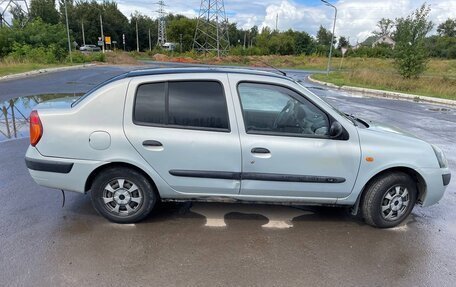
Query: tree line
{"type": "Point", "coordinates": [45, 32]}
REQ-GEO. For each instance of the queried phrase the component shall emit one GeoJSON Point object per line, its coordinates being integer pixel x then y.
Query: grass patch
{"type": "Point", "coordinates": [16, 68]}
{"type": "Point", "coordinates": [439, 80]}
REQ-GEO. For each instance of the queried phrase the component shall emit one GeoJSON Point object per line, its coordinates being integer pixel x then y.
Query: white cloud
{"type": "Point", "coordinates": [356, 18]}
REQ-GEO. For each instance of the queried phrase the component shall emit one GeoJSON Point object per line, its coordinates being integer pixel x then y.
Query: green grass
{"type": "Point", "coordinates": [16, 68]}
{"type": "Point", "coordinates": [439, 80]}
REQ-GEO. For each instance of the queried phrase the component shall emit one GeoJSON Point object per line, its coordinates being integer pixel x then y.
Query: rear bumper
{"type": "Point", "coordinates": [48, 165]}
{"type": "Point", "coordinates": [59, 173]}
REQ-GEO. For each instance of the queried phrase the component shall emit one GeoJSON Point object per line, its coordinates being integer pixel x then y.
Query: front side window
{"type": "Point", "coordinates": [271, 109]}
{"type": "Point", "coordinates": [189, 104]}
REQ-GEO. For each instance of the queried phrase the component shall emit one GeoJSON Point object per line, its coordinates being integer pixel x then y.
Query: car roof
{"type": "Point", "coordinates": [201, 70]}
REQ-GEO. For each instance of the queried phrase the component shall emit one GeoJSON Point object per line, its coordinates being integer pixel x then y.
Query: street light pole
{"type": "Point", "coordinates": [332, 36]}
{"type": "Point", "coordinates": [68, 32]}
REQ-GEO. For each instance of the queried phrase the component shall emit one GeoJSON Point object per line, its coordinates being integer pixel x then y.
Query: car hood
{"type": "Point", "coordinates": [60, 103]}
{"type": "Point", "coordinates": [385, 128]}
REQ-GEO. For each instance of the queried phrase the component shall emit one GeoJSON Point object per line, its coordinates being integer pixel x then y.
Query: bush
{"type": "Point", "coordinates": [79, 57]}
{"type": "Point", "coordinates": [380, 51]}
{"type": "Point", "coordinates": [250, 51]}
{"type": "Point", "coordinates": [42, 55]}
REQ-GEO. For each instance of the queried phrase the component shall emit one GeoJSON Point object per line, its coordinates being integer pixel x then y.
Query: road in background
{"type": "Point", "coordinates": [189, 244]}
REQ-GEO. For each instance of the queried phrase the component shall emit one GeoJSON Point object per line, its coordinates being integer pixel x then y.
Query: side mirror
{"type": "Point", "coordinates": [336, 130]}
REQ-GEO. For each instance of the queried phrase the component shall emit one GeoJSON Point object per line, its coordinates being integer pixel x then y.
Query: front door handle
{"type": "Point", "coordinates": [260, 150]}
{"type": "Point", "coordinates": [152, 143]}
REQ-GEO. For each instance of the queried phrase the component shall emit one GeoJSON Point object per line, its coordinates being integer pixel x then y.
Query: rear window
{"type": "Point", "coordinates": [187, 104]}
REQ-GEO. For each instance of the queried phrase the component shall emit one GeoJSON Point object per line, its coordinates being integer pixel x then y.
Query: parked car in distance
{"type": "Point", "coordinates": [234, 135]}
{"type": "Point", "coordinates": [89, 48]}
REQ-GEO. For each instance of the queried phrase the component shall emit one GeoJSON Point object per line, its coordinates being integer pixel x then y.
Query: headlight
{"type": "Point", "coordinates": [443, 162]}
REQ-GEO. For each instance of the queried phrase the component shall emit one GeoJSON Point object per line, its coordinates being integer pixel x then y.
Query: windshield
{"type": "Point", "coordinates": [102, 84]}
{"type": "Point", "coordinates": [348, 117]}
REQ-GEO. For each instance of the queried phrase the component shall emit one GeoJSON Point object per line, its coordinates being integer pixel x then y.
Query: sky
{"type": "Point", "coordinates": [356, 19]}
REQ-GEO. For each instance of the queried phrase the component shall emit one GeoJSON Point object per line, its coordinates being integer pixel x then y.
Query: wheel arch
{"type": "Point", "coordinates": [415, 175]}
{"type": "Point", "coordinates": [101, 168]}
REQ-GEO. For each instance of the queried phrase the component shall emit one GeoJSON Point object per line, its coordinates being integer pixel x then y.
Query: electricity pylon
{"type": "Point", "coordinates": [212, 28]}
{"type": "Point", "coordinates": [161, 37]}
{"type": "Point", "coordinates": [7, 5]}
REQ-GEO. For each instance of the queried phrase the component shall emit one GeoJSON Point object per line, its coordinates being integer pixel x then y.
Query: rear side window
{"type": "Point", "coordinates": [150, 104]}
{"type": "Point", "coordinates": [186, 104]}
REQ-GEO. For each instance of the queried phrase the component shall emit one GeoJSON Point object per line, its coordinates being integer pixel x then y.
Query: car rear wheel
{"type": "Point", "coordinates": [123, 195]}
{"type": "Point", "coordinates": [389, 199]}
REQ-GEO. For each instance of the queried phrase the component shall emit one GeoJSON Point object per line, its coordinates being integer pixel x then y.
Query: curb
{"type": "Point", "coordinates": [42, 71]}
{"type": "Point", "coordinates": [386, 94]}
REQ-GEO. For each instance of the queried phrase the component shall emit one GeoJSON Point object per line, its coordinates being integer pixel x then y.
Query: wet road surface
{"type": "Point", "coordinates": [43, 244]}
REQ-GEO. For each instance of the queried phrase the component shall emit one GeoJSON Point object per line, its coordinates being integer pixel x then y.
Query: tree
{"type": "Point", "coordinates": [304, 43]}
{"type": "Point", "coordinates": [185, 27]}
{"type": "Point", "coordinates": [385, 27]}
{"type": "Point", "coordinates": [324, 37]}
{"type": "Point", "coordinates": [447, 28]}
{"type": "Point", "coordinates": [44, 9]}
{"type": "Point", "coordinates": [410, 53]}
{"type": "Point", "coordinates": [343, 43]}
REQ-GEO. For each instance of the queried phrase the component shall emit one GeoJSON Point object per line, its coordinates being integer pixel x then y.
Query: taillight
{"type": "Point", "coordinates": [36, 128]}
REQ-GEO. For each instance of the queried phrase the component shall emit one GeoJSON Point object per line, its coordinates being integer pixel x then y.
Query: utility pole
{"type": "Point", "coordinates": [161, 33]}
{"type": "Point", "coordinates": [83, 33]}
{"type": "Point", "coordinates": [7, 5]}
{"type": "Point", "coordinates": [211, 34]}
{"type": "Point", "coordinates": [277, 21]}
{"type": "Point", "coordinates": [180, 42]}
{"type": "Point", "coordinates": [245, 38]}
{"type": "Point", "coordinates": [137, 36]}
{"type": "Point", "coordinates": [150, 42]}
{"type": "Point", "coordinates": [332, 36]}
{"type": "Point", "coordinates": [68, 32]}
{"type": "Point", "coordinates": [102, 33]}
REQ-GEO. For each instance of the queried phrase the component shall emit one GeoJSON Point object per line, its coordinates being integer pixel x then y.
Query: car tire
{"type": "Point", "coordinates": [388, 200]}
{"type": "Point", "coordinates": [123, 195]}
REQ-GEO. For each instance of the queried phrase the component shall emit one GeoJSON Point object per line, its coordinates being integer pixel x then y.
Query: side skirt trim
{"type": "Point", "coordinates": [255, 176]}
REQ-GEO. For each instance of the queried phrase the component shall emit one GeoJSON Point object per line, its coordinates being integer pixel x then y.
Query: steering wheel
{"type": "Point", "coordinates": [285, 114]}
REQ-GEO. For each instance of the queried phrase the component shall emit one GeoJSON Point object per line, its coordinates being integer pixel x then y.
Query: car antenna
{"type": "Point", "coordinates": [271, 66]}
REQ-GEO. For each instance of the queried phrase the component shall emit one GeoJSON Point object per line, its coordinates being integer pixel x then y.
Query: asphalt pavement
{"type": "Point", "coordinates": [185, 244]}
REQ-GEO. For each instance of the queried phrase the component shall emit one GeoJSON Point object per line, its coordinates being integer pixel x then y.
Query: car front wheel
{"type": "Point", "coordinates": [389, 199]}
{"type": "Point", "coordinates": [123, 195]}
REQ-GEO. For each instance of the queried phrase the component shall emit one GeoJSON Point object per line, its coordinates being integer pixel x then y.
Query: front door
{"type": "Point", "coordinates": [185, 129]}
{"type": "Point", "coordinates": [286, 150]}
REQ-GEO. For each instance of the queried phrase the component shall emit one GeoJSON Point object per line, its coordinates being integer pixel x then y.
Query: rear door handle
{"type": "Point", "coordinates": [260, 150]}
{"type": "Point", "coordinates": [152, 143]}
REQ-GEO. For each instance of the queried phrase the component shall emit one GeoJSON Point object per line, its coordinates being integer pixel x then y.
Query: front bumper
{"type": "Point", "coordinates": [437, 181]}
{"type": "Point", "coordinates": [446, 179]}
{"type": "Point", "coordinates": [59, 173]}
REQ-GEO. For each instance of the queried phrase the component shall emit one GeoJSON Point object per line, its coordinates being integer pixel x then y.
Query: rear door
{"type": "Point", "coordinates": [286, 150]}
{"type": "Point", "coordinates": [185, 128]}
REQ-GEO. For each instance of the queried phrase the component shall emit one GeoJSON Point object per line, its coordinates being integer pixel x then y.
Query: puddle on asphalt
{"type": "Point", "coordinates": [14, 114]}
